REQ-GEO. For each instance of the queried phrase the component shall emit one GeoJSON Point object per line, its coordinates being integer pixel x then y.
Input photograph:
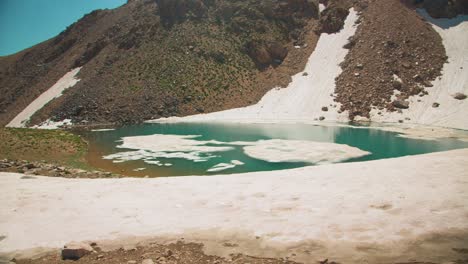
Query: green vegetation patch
{"type": "Point", "coordinates": [53, 146]}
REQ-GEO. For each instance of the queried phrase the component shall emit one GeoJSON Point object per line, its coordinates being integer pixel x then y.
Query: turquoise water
{"type": "Point", "coordinates": [24, 23]}
{"type": "Point", "coordinates": [380, 143]}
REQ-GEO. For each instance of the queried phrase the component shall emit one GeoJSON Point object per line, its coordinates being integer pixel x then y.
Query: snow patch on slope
{"type": "Point", "coordinates": [67, 81]}
{"type": "Point", "coordinates": [49, 124]}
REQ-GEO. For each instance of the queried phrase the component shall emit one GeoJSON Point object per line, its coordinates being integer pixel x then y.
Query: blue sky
{"type": "Point", "coordinates": [24, 23]}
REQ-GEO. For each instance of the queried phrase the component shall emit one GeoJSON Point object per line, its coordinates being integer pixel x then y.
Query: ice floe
{"type": "Point", "coordinates": [150, 148]}
{"type": "Point", "coordinates": [225, 166]}
{"type": "Point", "coordinates": [278, 150]}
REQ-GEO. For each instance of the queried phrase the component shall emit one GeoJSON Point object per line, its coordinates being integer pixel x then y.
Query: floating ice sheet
{"type": "Point", "coordinates": [278, 150]}
{"type": "Point", "coordinates": [150, 148]}
{"type": "Point", "coordinates": [225, 166]}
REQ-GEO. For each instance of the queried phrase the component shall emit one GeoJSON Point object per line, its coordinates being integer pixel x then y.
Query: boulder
{"type": "Point", "coordinates": [459, 96]}
{"type": "Point", "coordinates": [435, 105]}
{"type": "Point", "coordinates": [75, 251]}
{"type": "Point", "coordinates": [332, 19]}
{"type": "Point", "coordinates": [401, 104]}
{"type": "Point", "coordinates": [277, 51]}
{"type": "Point", "coordinates": [147, 261]}
{"type": "Point", "coordinates": [266, 54]}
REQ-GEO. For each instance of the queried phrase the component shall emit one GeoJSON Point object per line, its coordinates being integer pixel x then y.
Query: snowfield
{"type": "Point", "coordinates": [67, 81]}
{"type": "Point", "coordinates": [378, 210]}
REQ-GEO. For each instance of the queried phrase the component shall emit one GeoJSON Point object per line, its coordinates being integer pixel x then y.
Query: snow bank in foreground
{"type": "Point", "coordinates": [277, 150]}
{"type": "Point", "coordinates": [340, 210]}
{"type": "Point", "coordinates": [149, 148]}
{"type": "Point", "coordinates": [451, 112]}
{"type": "Point", "coordinates": [305, 96]}
{"type": "Point", "coordinates": [67, 81]}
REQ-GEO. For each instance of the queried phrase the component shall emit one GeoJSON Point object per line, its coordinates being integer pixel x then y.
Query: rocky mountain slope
{"type": "Point", "coordinates": [158, 58]}
{"type": "Point", "coordinates": [150, 59]}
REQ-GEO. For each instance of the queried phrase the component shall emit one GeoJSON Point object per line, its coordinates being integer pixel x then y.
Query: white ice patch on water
{"type": "Point", "coordinates": [278, 150]}
{"type": "Point", "coordinates": [172, 143]}
{"type": "Point", "coordinates": [150, 148]}
{"type": "Point", "coordinates": [150, 157]}
{"type": "Point", "coordinates": [237, 162]}
{"type": "Point", "coordinates": [225, 166]}
{"type": "Point", "coordinates": [221, 167]}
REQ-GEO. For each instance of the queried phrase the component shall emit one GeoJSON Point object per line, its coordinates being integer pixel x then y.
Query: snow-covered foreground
{"type": "Point", "coordinates": [394, 209]}
{"type": "Point", "coordinates": [67, 81]}
{"type": "Point", "coordinates": [303, 99]}
{"type": "Point", "coordinates": [454, 79]}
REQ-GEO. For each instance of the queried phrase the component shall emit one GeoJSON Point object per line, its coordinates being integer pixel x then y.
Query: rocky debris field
{"type": "Point", "coordinates": [175, 253]}
{"type": "Point", "coordinates": [42, 168]}
{"type": "Point", "coordinates": [394, 53]}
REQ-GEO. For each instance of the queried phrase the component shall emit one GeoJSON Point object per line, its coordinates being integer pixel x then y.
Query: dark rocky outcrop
{"type": "Point", "coordinates": [443, 8]}
{"type": "Point", "coordinates": [173, 11]}
{"type": "Point", "coordinates": [332, 19]}
{"type": "Point", "coordinates": [265, 54]}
